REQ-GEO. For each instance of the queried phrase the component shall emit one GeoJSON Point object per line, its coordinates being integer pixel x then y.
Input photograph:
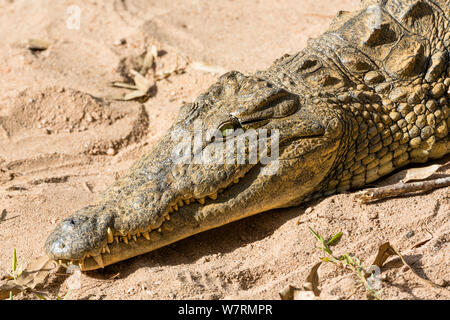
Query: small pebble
{"type": "Point", "coordinates": [172, 295]}
{"type": "Point", "coordinates": [373, 215]}
{"type": "Point", "coordinates": [120, 42]}
{"type": "Point", "coordinates": [111, 152]}
{"type": "Point", "coordinates": [410, 234]}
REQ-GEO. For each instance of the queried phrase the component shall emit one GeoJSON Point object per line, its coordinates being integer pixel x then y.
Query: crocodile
{"type": "Point", "coordinates": [367, 97]}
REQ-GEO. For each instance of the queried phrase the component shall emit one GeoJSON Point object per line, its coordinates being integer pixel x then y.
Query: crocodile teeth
{"type": "Point", "coordinates": [134, 238]}
{"type": "Point", "coordinates": [107, 249]}
{"type": "Point", "coordinates": [180, 203]}
{"type": "Point", "coordinates": [175, 207]}
{"type": "Point", "coordinates": [213, 196]}
{"type": "Point", "coordinates": [187, 201]}
{"type": "Point", "coordinates": [167, 217]}
{"type": "Point", "coordinates": [117, 239]}
{"type": "Point", "coordinates": [125, 239]}
{"type": "Point", "coordinates": [110, 235]}
{"type": "Point", "coordinates": [138, 234]}
{"type": "Point", "coordinates": [103, 250]}
{"type": "Point", "coordinates": [99, 260]}
{"type": "Point", "coordinates": [236, 180]}
{"type": "Point", "coordinates": [202, 200]}
{"type": "Point", "coordinates": [159, 229]}
{"type": "Point", "coordinates": [146, 235]}
{"type": "Point", "coordinates": [170, 209]}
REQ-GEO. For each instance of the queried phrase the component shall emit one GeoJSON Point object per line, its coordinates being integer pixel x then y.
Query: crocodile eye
{"type": "Point", "coordinates": [227, 129]}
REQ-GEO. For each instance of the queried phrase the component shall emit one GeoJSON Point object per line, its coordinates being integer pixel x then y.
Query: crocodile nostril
{"type": "Point", "coordinates": [62, 245]}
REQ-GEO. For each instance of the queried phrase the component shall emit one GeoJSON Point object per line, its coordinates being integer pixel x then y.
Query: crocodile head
{"type": "Point", "coordinates": [243, 147]}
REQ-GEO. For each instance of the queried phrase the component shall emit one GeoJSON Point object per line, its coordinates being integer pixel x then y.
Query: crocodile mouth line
{"type": "Point", "coordinates": [116, 241]}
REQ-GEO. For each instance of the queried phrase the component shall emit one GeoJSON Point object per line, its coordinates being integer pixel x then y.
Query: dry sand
{"type": "Point", "coordinates": [60, 148]}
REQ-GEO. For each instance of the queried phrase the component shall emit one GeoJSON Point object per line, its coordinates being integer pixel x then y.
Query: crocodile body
{"type": "Point", "coordinates": [367, 97]}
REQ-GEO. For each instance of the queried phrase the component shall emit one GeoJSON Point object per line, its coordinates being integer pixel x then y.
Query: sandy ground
{"type": "Point", "coordinates": [60, 148]}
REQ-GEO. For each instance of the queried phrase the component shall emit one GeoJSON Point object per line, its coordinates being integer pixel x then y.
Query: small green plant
{"type": "Point", "coordinates": [345, 261]}
{"type": "Point", "coordinates": [57, 296]}
{"type": "Point", "coordinates": [65, 296]}
{"type": "Point", "coordinates": [14, 273]}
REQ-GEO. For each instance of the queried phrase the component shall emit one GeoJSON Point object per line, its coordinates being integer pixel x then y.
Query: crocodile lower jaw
{"type": "Point", "coordinates": [120, 245]}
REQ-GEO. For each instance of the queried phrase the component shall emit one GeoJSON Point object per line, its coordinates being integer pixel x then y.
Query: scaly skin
{"type": "Point", "coordinates": [369, 96]}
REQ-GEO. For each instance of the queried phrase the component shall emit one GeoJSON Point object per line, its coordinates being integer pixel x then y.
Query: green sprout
{"type": "Point", "coordinates": [347, 261]}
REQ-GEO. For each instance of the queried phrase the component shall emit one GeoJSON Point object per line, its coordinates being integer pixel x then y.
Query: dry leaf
{"type": "Point", "coordinates": [140, 88]}
{"type": "Point", "coordinates": [5, 290]}
{"type": "Point", "coordinates": [120, 84]}
{"type": "Point", "coordinates": [292, 293]}
{"type": "Point", "coordinates": [165, 74]}
{"type": "Point", "coordinates": [149, 60]}
{"type": "Point", "coordinates": [37, 45]}
{"type": "Point", "coordinates": [34, 274]}
{"type": "Point", "coordinates": [287, 293]}
{"type": "Point", "coordinates": [386, 250]}
{"type": "Point", "coordinates": [303, 295]}
{"type": "Point", "coordinates": [312, 281]}
{"type": "Point", "coordinates": [420, 243]}
{"type": "Point", "coordinates": [142, 83]}
{"type": "Point", "coordinates": [310, 288]}
{"type": "Point", "coordinates": [421, 173]}
{"type": "Point", "coordinates": [137, 94]}
{"type": "Point", "coordinates": [201, 66]}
